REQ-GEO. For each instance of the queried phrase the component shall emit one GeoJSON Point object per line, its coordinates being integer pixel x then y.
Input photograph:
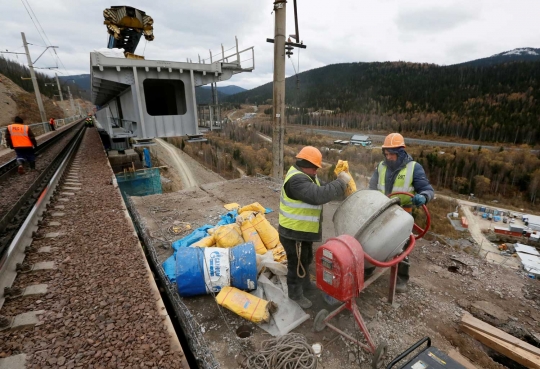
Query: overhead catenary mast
{"type": "Point", "coordinates": [281, 48]}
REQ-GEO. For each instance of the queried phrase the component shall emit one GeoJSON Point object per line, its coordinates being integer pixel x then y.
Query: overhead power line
{"type": "Point", "coordinates": [41, 31]}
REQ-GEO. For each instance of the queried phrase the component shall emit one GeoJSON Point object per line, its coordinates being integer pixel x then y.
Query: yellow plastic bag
{"type": "Point", "coordinates": [343, 166]}
{"type": "Point", "coordinates": [228, 235]}
{"type": "Point", "coordinates": [279, 253]}
{"type": "Point", "coordinates": [250, 234]}
{"type": "Point", "coordinates": [205, 242]}
{"type": "Point", "coordinates": [269, 235]}
{"type": "Point", "coordinates": [244, 304]}
{"type": "Point", "coordinates": [246, 215]}
{"type": "Point", "coordinates": [253, 207]}
{"type": "Point", "coordinates": [231, 206]}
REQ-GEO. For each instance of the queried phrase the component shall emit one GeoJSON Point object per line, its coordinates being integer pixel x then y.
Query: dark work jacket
{"type": "Point", "coordinates": [300, 187]}
{"type": "Point", "coordinates": [420, 182]}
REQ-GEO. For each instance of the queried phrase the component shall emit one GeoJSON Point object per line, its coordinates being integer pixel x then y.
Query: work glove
{"type": "Point", "coordinates": [344, 177]}
{"type": "Point", "coordinates": [419, 200]}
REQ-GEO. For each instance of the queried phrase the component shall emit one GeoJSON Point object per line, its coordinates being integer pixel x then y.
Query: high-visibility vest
{"type": "Point", "coordinates": [51, 122]}
{"type": "Point", "coordinates": [296, 214]}
{"type": "Point", "coordinates": [19, 136]}
{"type": "Point", "coordinates": [402, 183]}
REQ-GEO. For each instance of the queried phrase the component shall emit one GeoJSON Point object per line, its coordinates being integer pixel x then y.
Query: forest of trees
{"type": "Point", "coordinates": [497, 103]}
{"type": "Point", "coordinates": [47, 85]}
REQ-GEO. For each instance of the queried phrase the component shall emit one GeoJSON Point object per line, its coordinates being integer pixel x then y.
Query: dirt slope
{"type": "Point", "coordinates": [16, 101]}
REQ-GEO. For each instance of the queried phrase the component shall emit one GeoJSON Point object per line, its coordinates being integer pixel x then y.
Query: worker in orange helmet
{"type": "Point", "coordinates": [20, 138]}
{"type": "Point", "coordinates": [300, 217]}
{"type": "Point", "coordinates": [52, 124]}
{"type": "Point", "coordinates": [398, 172]}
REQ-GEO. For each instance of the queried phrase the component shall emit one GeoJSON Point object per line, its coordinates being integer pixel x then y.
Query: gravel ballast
{"type": "Point", "coordinates": [102, 309]}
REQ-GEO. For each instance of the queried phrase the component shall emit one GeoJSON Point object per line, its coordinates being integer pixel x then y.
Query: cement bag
{"type": "Point", "coordinates": [228, 235]}
{"type": "Point", "coordinates": [269, 235]}
{"type": "Point", "coordinates": [279, 253]}
{"type": "Point", "coordinates": [244, 304]}
{"type": "Point", "coordinates": [205, 242]}
{"type": "Point", "coordinates": [246, 215]}
{"type": "Point", "coordinates": [252, 207]}
{"type": "Point", "coordinates": [250, 234]}
{"type": "Point", "coordinates": [343, 166]}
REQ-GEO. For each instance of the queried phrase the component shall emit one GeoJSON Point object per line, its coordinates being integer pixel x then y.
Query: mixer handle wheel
{"type": "Point", "coordinates": [420, 232]}
{"type": "Point", "coordinates": [318, 324]}
{"type": "Point", "coordinates": [379, 355]}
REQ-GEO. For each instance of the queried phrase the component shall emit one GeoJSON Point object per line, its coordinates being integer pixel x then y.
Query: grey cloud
{"type": "Point", "coordinates": [433, 19]}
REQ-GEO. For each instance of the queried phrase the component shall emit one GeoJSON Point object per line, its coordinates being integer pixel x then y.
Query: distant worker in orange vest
{"type": "Point", "coordinates": [52, 123]}
{"type": "Point", "coordinates": [20, 138]}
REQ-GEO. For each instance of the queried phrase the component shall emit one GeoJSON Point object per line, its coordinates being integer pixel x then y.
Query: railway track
{"type": "Point", "coordinates": [21, 217]}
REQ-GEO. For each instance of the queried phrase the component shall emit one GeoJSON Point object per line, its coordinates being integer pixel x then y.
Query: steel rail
{"type": "Point", "coordinates": [8, 167]}
{"type": "Point", "coordinates": [15, 252]}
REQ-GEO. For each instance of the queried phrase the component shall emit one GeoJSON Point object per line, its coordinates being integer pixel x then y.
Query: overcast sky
{"type": "Point", "coordinates": [432, 31]}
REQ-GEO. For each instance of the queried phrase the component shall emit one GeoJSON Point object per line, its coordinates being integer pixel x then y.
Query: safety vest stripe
{"type": "Point", "coordinates": [304, 218]}
{"type": "Point", "coordinates": [301, 205]}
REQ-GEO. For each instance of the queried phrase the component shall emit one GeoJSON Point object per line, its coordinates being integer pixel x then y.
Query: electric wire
{"type": "Point", "coordinates": [30, 11]}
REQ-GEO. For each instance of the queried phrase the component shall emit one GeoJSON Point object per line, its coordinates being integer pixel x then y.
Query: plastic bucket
{"type": "Point", "coordinates": [201, 271]}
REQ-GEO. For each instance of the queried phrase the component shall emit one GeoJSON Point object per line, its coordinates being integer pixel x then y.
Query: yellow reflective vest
{"type": "Point", "coordinates": [296, 214]}
{"type": "Point", "coordinates": [402, 183]}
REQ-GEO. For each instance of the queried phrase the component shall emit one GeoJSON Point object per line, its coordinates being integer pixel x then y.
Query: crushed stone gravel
{"type": "Point", "coordinates": [100, 308]}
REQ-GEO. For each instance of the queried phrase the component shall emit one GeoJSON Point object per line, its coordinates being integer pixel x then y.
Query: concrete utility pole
{"type": "Point", "coordinates": [278, 132]}
{"type": "Point", "coordinates": [71, 101]}
{"type": "Point", "coordinates": [59, 89]}
{"type": "Point", "coordinates": [34, 80]}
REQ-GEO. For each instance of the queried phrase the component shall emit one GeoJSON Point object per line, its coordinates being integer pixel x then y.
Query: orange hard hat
{"type": "Point", "coordinates": [311, 154]}
{"type": "Point", "coordinates": [393, 141]}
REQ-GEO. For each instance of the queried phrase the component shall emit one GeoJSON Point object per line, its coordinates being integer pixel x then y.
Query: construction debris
{"type": "Point", "coordinates": [502, 342]}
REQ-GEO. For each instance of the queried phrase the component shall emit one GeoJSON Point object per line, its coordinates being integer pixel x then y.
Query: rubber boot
{"type": "Point", "coordinates": [20, 169]}
{"type": "Point", "coordinates": [33, 165]}
{"type": "Point", "coordinates": [303, 302]}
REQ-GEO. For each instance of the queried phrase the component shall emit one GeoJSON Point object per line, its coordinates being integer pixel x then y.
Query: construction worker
{"type": "Point", "coordinates": [20, 138]}
{"type": "Point", "coordinates": [398, 172]}
{"type": "Point", "coordinates": [300, 217]}
{"type": "Point", "coordinates": [52, 124]}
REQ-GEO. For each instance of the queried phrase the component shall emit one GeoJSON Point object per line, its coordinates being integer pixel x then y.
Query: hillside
{"type": "Point", "coordinates": [497, 103]}
{"type": "Point", "coordinates": [15, 101]}
{"type": "Point", "coordinates": [204, 93]}
{"type": "Point", "coordinates": [521, 54]}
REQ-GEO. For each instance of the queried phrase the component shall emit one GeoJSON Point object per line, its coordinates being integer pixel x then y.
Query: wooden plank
{"type": "Point", "coordinates": [509, 350]}
{"type": "Point", "coordinates": [488, 329]}
{"type": "Point", "coordinates": [454, 354]}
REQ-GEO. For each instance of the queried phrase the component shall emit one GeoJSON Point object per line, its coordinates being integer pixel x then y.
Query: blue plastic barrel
{"type": "Point", "coordinates": [244, 266]}
{"type": "Point", "coordinates": [203, 270]}
{"type": "Point", "coordinates": [190, 271]}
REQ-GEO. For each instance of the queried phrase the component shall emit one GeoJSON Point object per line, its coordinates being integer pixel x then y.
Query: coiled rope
{"type": "Point", "coordinates": [286, 352]}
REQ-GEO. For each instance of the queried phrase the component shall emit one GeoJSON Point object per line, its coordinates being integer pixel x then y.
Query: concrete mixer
{"type": "Point", "coordinates": [374, 231]}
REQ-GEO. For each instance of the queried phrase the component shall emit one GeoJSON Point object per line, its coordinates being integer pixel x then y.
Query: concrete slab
{"type": "Point", "coordinates": [71, 188]}
{"type": "Point", "coordinates": [72, 183]}
{"type": "Point", "coordinates": [54, 224]}
{"type": "Point", "coordinates": [13, 362]}
{"type": "Point", "coordinates": [58, 214]}
{"type": "Point", "coordinates": [52, 235]}
{"type": "Point", "coordinates": [36, 289]}
{"type": "Point", "coordinates": [26, 320]}
{"type": "Point", "coordinates": [44, 265]}
{"type": "Point", "coordinates": [67, 193]}
{"type": "Point", "coordinates": [63, 199]}
{"type": "Point", "coordinates": [45, 249]}
{"type": "Point", "coordinates": [59, 206]}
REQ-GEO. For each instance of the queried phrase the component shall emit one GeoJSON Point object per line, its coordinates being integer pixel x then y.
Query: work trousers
{"type": "Point", "coordinates": [296, 284]}
{"type": "Point", "coordinates": [26, 154]}
{"type": "Point", "coordinates": [52, 127]}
